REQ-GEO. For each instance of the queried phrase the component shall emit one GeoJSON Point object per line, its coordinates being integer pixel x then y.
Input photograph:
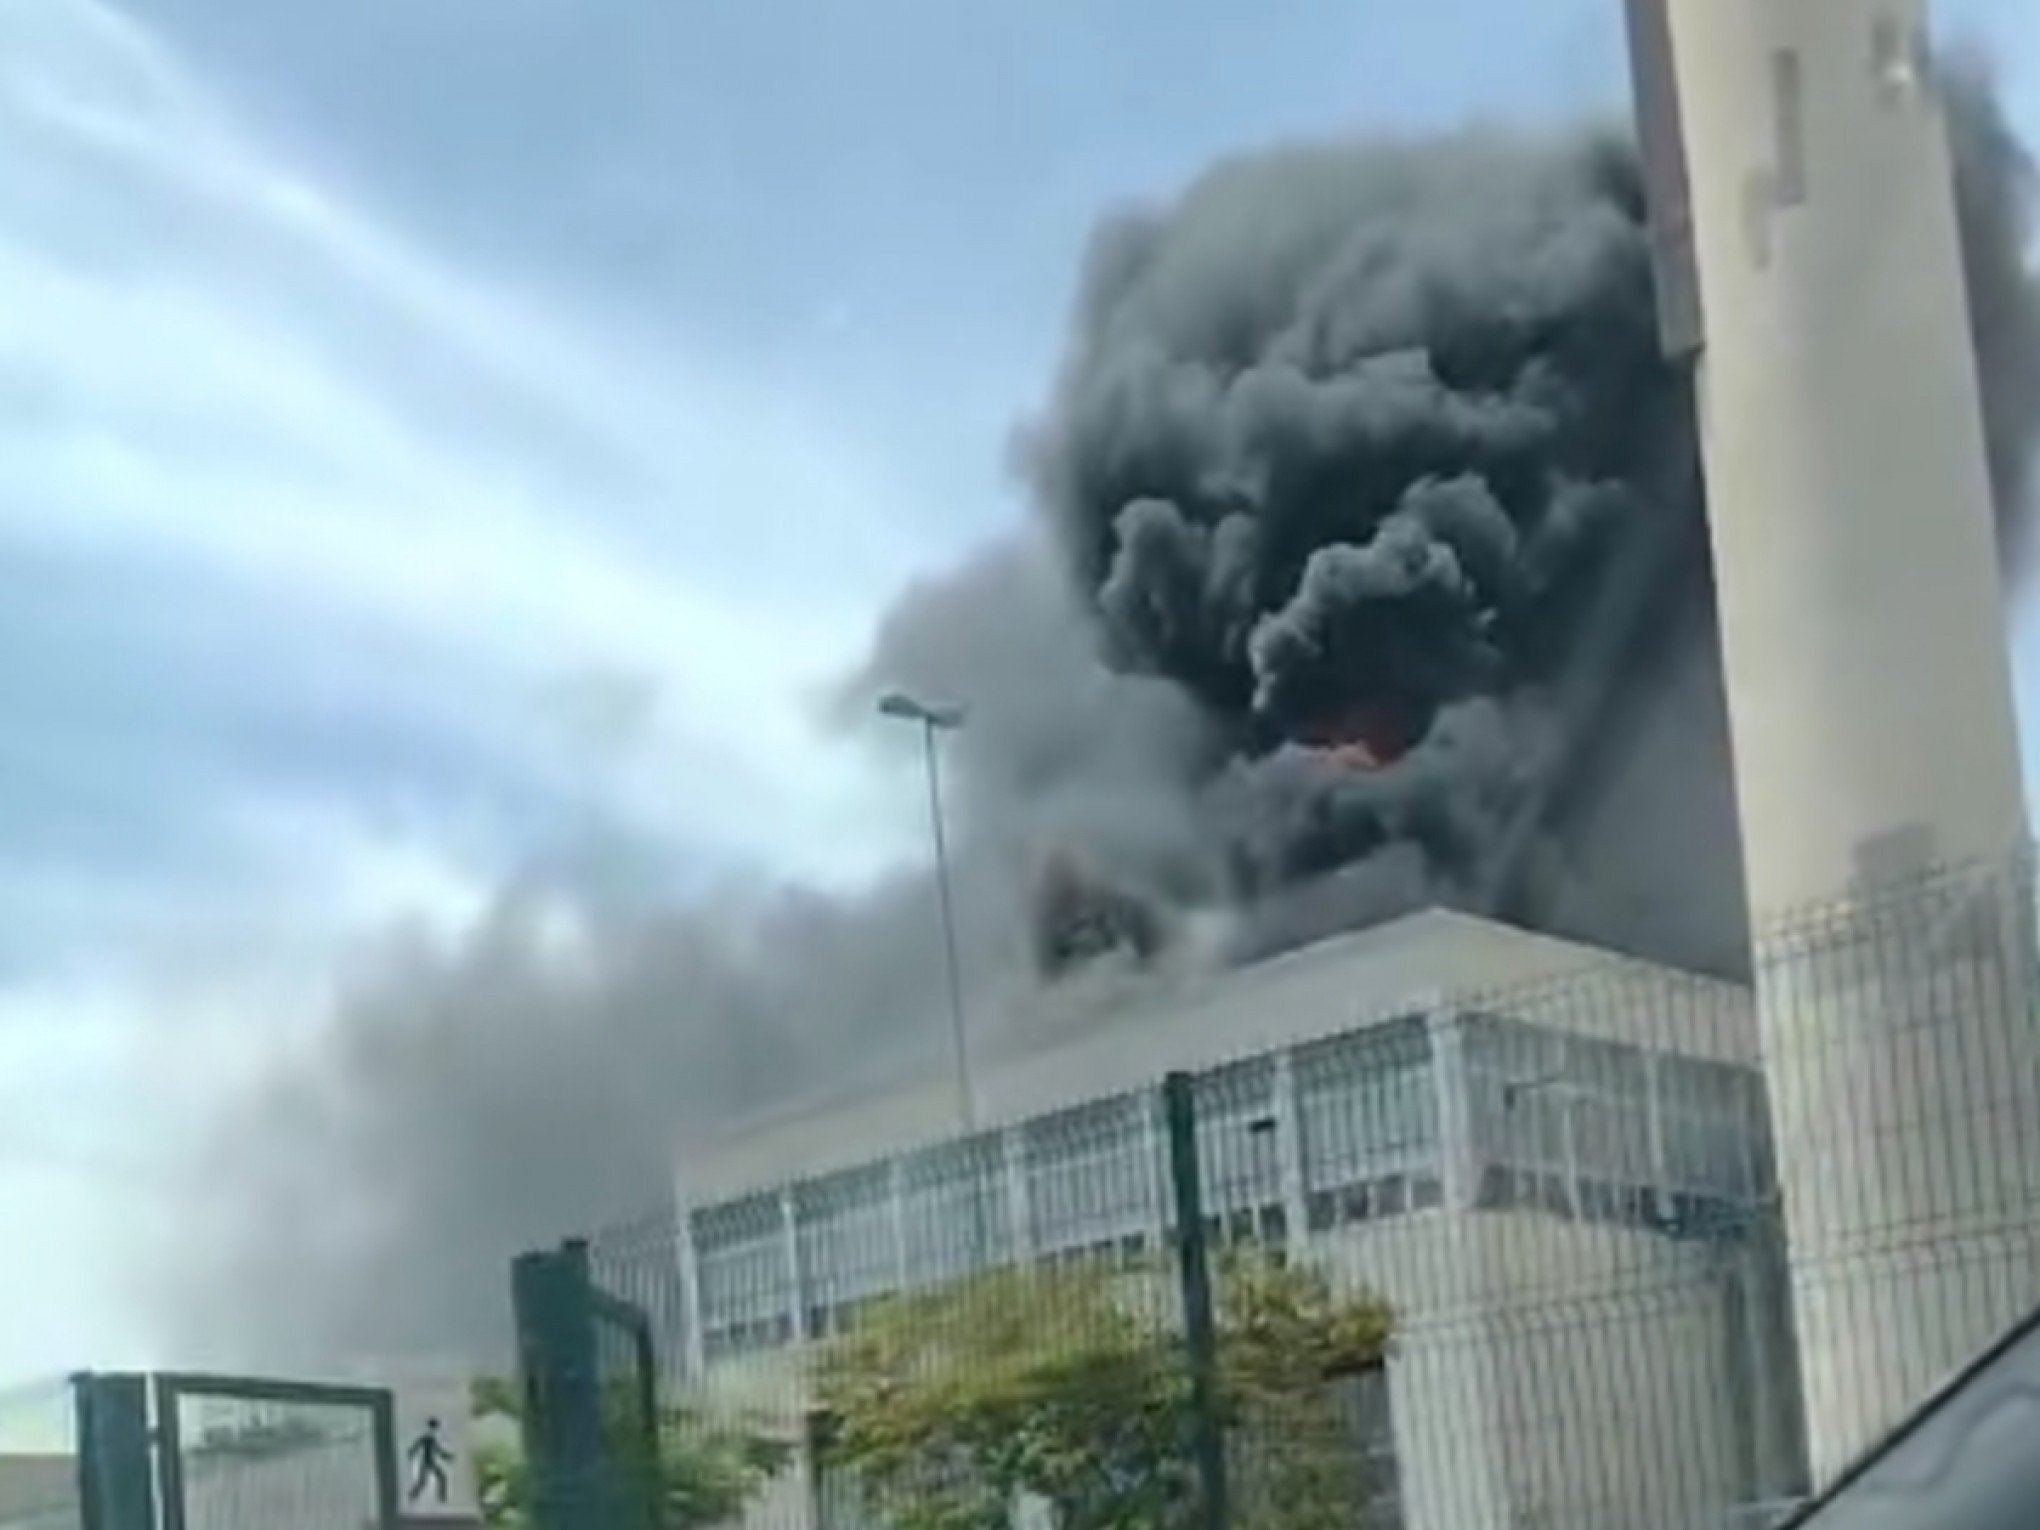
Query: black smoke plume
{"type": "Point", "coordinates": [1360, 446]}
{"type": "Point", "coordinates": [1369, 571]}
{"type": "Point", "coordinates": [1079, 917]}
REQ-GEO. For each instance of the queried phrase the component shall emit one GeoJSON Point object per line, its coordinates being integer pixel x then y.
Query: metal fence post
{"type": "Point", "coordinates": [388, 1488]}
{"type": "Point", "coordinates": [553, 1297]}
{"type": "Point", "coordinates": [1200, 1326]}
{"type": "Point", "coordinates": [116, 1487]}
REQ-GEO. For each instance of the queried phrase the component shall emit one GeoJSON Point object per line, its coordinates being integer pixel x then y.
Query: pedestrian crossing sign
{"type": "Point", "coordinates": [436, 1452]}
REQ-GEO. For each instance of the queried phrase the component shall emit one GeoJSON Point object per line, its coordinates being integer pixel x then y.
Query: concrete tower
{"type": "Point", "coordinates": [1811, 267]}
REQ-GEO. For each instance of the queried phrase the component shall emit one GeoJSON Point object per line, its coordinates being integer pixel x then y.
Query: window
{"type": "Point", "coordinates": [1093, 1177]}
{"type": "Point", "coordinates": [1369, 1200]}
{"type": "Point", "coordinates": [1523, 1090]}
{"type": "Point", "coordinates": [1715, 1134]}
{"type": "Point", "coordinates": [1603, 1132]}
{"type": "Point", "coordinates": [850, 1245]}
{"type": "Point", "coordinates": [1611, 1110]}
{"type": "Point", "coordinates": [1238, 1137]}
{"type": "Point", "coordinates": [745, 1287]}
{"type": "Point", "coordinates": [1367, 1109]}
{"type": "Point", "coordinates": [1264, 1226]}
{"type": "Point", "coordinates": [953, 1210]}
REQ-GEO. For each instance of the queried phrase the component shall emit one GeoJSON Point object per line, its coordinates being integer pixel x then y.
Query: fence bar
{"type": "Point", "coordinates": [555, 1314]}
{"type": "Point", "coordinates": [115, 1489]}
{"type": "Point", "coordinates": [1200, 1327]}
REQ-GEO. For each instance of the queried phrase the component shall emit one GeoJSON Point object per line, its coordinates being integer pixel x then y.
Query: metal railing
{"type": "Point", "coordinates": [207, 1452]}
{"type": "Point", "coordinates": [1636, 1250]}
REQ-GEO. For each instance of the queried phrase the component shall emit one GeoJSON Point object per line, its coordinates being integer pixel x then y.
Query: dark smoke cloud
{"type": "Point", "coordinates": [1369, 572]}
{"type": "Point", "coordinates": [1340, 423]}
{"type": "Point", "coordinates": [1080, 916]}
{"type": "Point", "coordinates": [1370, 447]}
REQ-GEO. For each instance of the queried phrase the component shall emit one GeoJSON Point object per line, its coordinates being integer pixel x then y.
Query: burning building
{"type": "Point", "coordinates": [1369, 571]}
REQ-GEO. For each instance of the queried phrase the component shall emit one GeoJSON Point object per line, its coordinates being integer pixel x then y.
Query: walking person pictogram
{"type": "Point", "coordinates": [430, 1457]}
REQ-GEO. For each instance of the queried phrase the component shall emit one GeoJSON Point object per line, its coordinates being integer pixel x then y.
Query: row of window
{"type": "Point", "coordinates": [1583, 1129]}
{"type": "Point", "coordinates": [1584, 1109]}
{"type": "Point", "coordinates": [1371, 1200]}
{"type": "Point", "coordinates": [734, 1328]}
{"type": "Point", "coordinates": [1676, 1214]}
{"type": "Point", "coordinates": [1365, 1105]}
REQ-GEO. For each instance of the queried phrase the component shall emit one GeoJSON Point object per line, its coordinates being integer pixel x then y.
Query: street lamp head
{"type": "Point", "coordinates": [899, 705]}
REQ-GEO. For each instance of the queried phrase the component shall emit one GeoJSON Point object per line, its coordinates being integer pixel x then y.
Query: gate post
{"type": "Point", "coordinates": [1200, 1325]}
{"type": "Point", "coordinates": [553, 1296]}
{"type": "Point", "coordinates": [116, 1484]}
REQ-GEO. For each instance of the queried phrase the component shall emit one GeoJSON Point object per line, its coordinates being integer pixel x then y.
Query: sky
{"type": "Point", "coordinates": [438, 437]}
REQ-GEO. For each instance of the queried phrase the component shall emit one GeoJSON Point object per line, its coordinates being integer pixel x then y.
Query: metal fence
{"type": "Point", "coordinates": [1610, 1248]}
{"type": "Point", "coordinates": [241, 1454]}
{"type": "Point", "coordinates": [203, 1452]}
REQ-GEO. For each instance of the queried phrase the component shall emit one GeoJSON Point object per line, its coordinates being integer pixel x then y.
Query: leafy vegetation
{"type": "Point", "coordinates": [949, 1407]}
{"type": "Point", "coordinates": [703, 1471]}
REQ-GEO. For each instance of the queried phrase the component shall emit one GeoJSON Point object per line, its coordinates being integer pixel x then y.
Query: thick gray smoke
{"type": "Point", "coordinates": [1369, 571]}
{"type": "Point", "coordinates": [1350, 468]}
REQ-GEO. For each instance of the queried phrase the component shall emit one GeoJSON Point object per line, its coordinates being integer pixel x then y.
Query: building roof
{"type": "Point", "coordinates": [1077, 1048]}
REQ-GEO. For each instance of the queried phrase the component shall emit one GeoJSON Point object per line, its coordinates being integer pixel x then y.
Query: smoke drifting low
{"type": "Point", "coordinates": [1368, 571]}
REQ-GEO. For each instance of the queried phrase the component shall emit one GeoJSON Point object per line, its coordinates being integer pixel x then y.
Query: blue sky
{"type": "Point", "coordinates": [435, 431]}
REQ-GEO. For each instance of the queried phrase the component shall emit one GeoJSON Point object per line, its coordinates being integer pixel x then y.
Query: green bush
{"type": "Point", "coordinates": [946, 1407]}
{"type": "Point", "coordinates": [704, 1473]}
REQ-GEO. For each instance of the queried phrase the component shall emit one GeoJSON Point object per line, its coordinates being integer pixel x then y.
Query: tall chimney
{"type": "Point", "coordinates": [1810, 267]}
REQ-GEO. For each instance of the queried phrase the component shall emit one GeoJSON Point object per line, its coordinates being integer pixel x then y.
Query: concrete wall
{"type": "Point", "coordinates": [1554, 1373]}
{"type": "Point", "coordinates": [1869, 686]}
{"type": "Point", "coordinates": [1910, 1147]}
{"type": "Point", "coordinates": [1850, 503]}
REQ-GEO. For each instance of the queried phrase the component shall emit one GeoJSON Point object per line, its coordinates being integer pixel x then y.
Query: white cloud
{"type": "Point", "coordinates": [88, 1186]}
{"type": "Point", "coordinates": [110, 1075]}
{"type": "Point", "coordinates": [220, 375]}
{"type": "Point", "coordinates": [176, 417]}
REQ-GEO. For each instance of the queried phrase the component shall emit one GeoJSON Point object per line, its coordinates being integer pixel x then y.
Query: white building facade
{"type": "Point", "coordinates": [1565, 1215]}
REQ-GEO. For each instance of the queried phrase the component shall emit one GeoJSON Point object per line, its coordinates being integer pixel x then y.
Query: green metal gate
{"type": "Point", "coordinates": [192, 1452]}
{"type": "Point", "coordinates": [591, 1406]}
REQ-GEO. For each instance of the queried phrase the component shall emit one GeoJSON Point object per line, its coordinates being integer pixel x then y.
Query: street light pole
{"type": "Point", "coordinates": [932, 720]}
{"type": "Point", "coordinates": [950, 962]}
